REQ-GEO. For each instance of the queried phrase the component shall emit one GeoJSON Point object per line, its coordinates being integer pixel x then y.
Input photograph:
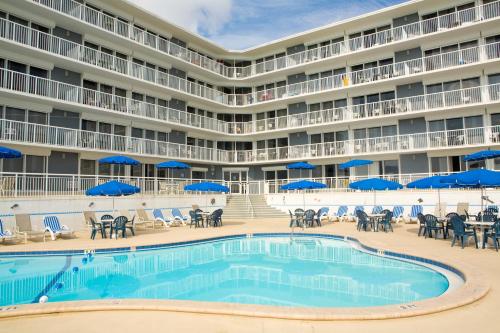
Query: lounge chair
{"type": "Point", "coordinates": [462, 207]}
{"type": "Point", "coordinates": [87, 216]}
{"type": "Point", "coordinates": [54, 227]}
{"type": "Point", "coordinates": [440, 209]}
{"type": "Point", "coordinates": [158, 215]}
{"type": "Point", "coordinates": [6, 234]}
{"type": "Point", "coordinates": [397, 213]}
{"type": "Point", "coordinates": [377, 209]}
{"type": "Point", "coordinates": [24, 228]}
{"type": "Point", "coordinates": [323, 214]}
{"type": "Point", "coordinates": [415, 210]}
{"type": "Point", "coordinates": [177, 215]}
{"type": "Point", "coordinates": [341, 214]}
{"type": "Point", "coordinates": [143, 219]}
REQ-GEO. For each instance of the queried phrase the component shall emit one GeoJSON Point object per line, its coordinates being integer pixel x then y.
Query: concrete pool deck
{"type": "Point", "coordinates": [404, 239]}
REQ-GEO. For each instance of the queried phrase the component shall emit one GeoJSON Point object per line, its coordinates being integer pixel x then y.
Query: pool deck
{"type": "Point", "coordinates": [478, 315]}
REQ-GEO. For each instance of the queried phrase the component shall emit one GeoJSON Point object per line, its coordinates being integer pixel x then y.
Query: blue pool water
{"type": "Point", "coordinates": [305, 271]}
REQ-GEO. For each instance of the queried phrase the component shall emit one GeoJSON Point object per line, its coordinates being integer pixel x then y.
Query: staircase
{"type": "Point", "coordinates": [250, 207]}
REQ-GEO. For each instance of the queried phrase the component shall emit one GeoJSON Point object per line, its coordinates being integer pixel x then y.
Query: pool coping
{"type": "Point", "coordinates": [473, 289]}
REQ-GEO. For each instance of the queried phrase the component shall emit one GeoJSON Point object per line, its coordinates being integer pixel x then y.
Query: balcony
{"type": "Point", "coordinates": [52, 136]}
{"type": "Point", "coordinates": [23, 35]}
{"type": "Point", "coordinates": [31, 185]}
{"type": "Point", "coordinates": [16, 82]}
{"type": "Point", "coordinates": [397, 34]}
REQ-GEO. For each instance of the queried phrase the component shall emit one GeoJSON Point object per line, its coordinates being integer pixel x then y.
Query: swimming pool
{"type": "Point", "coordinates": [303, 271]}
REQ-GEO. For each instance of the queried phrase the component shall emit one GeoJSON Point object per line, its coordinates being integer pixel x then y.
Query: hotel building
{"type": "Point", "coordinates": [413, 87]}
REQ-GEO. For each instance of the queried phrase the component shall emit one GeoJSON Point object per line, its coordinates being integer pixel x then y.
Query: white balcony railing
{"type": "Point", "coordinates": [34, 38]}
{"type": "Point", "coordinates": [392, 35]}
{"type": "Point", "coordinates": [32, 85]}
{"type": "Point", "coordinates": [14, 184]}
{"type": "Point", "coordinates": [38, 134]}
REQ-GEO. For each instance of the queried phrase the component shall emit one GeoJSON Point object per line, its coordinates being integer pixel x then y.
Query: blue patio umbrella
{"type": "Point", "coordinates": [375, 184]}
{"type": "Point", "coordinates": [354, 163]}
{"type": "Point", "coordinates": [206, 187]}
{"type": "Point", "coordinates": [6, 152]}
{"type": "Point", "coordinates": [300, 166]}
{"type": "Point", "coordinates": [113, 189]}
{"type": "Point", "coordinates": [482, 155]}
{"type": "Point", "coordinates": [432, 182]}
{"type": "Point", "coordinates": [477, 178]}
{"type": "Point", "coordinates": [172, 165]}
{"type": "Point", "coordinates": [303, 185]}
{"type": "Point", "coordinates": [119, 160]}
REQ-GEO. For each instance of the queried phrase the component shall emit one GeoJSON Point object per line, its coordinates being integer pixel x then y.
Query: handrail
{"type": "Point", "coordinates": [37, 39]}
{"type": "Point", "coordinates": [23, 132]}
{"type": "Point", "coordinates": [19, 184]}
{"type": "Point", "coordinates": [392, 35]}
{"type": "Point", "coordinates": [29, 84]}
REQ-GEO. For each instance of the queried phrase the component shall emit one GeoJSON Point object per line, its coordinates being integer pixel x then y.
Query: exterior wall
{"type": "Point", "coordinates": [387, 199]}
{"type": "Point", "coordinates": [69, 210]}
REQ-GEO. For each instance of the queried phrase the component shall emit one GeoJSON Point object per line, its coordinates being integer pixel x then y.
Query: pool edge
{"type": "Point", "coordinates": [473, 289]}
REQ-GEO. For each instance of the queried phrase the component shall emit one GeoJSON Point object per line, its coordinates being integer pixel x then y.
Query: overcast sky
{"type": "Point", "coordinates": [238, 24]}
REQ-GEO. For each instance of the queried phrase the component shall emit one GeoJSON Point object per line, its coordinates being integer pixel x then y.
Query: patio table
{"type": "Point", "coordinates": [374, 219]}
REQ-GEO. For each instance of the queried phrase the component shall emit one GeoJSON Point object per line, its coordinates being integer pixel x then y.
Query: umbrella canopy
{"type": "Point", "coordinates": [172, 165]}
{"type": "Point", "coordinates": [300, 166]}
{"type": "Point", "coordinates": [375, 184]}
{"type": "Point", "coordinates": [119, 160]}
{"type": "Point", "coordinates": [474, 178]}
{"type": "Point", "coordinates": [303, 185]}
{"type": "Point", "coordinates": [206, 187]}
{"type": "Point", "coordinates": [433, 182]}
{"type": "Point", "coordinates": [9, 153]}
{"type": "Point", "coordinates": [482, 155]}
{"type": "Point", "coordinates": [113, 188]}
{"type": "Point", "coordinates": [354, 163]}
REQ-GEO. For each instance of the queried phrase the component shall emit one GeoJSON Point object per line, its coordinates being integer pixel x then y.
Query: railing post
{"type": "Point", "coordinates": [15, 184]}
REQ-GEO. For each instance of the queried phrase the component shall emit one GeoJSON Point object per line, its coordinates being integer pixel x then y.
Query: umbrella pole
{"type": "Point", "coordinates": [374, 198]}
{"type": "Point", "coordinates": [439, 202]}
{"type": "Point", "coordinates": [482, 214]}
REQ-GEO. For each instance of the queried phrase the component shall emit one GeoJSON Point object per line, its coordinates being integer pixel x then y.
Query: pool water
{"type": "Point", "coordinates": [303, 271]}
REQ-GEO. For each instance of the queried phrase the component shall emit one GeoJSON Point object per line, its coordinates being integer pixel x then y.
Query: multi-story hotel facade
{"type": "Point", "coordinates": [413, 87]}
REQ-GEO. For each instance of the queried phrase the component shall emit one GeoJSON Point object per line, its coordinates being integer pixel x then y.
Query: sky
{"type": "Point", "coordinates": [240, 24]}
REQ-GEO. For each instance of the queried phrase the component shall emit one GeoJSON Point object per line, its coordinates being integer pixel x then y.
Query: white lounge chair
{"type": "Point", "coordinates": [52, 225]}
{"type": "Point", "coordinates": [159, 217]}
{"type": "Point", "coordinates": [6, 234]}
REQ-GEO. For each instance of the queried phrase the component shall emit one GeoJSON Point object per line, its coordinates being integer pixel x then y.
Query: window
{"type": "Point", "coordinates": [35, 164]}
{"type": "Point", "coordinates": [87, 167]}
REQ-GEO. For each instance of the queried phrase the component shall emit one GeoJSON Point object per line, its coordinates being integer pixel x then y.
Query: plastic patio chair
{"type": "Point", "coordinates": [461, 232]}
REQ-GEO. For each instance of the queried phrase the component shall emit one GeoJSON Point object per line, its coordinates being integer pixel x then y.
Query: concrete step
{"type": "Point", "coordinates": [239, 206]}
